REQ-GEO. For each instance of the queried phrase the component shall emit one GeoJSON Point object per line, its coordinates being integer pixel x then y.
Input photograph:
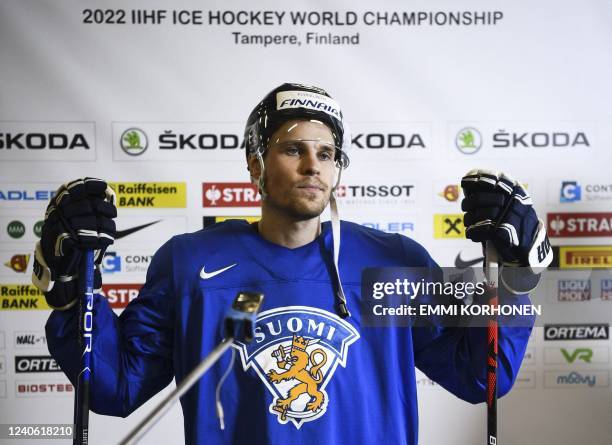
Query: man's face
{"type": "Point", "coordinates": [299, 168]}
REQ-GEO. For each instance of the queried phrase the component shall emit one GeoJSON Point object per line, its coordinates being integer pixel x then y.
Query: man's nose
{"type": "Point", "coordinates": [309, 162]}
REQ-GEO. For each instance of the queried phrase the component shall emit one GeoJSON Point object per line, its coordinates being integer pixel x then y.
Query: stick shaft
{"type": "Point", "coordinates": [81, 396]}
{"type": "Point", "coordinates": [491, 275]}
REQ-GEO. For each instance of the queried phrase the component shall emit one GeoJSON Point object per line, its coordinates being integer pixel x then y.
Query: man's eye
{"type": "Point", "coordinates": [325, 156]}
{"type": "Point", "coordinates": [291, 150]}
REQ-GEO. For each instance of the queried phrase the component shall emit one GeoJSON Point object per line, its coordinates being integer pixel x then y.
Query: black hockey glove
{"type": "Point", "coordinates": [79, 217]}
{"type": "Point", "coordinates": [499, 209]}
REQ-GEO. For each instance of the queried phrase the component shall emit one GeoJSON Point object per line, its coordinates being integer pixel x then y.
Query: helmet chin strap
{"type": "Point", "coordinates": [335, 223]}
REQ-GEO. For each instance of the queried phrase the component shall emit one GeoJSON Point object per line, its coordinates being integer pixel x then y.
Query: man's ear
{"type": "Point", "coordinates": [254, 169]}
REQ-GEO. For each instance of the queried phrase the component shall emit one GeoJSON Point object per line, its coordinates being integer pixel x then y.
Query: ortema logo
{"type": "Point", "coordinates": [230, 194]}
{"type": "Point", "coordinates": [30, 339]}
{"type": "Point", "coordinates": [582, 355]}
{"type": "Point", "coordinates": [47, 141]}
{"type": "Point", "coordinates": [376, 194]}
{"type": "Point", "coordinates": [576, 332]}
{"type": "Point", "coordinates": [584, 379]}
{"type": "Point", "coordinates": [449, 226]}
{"type": "Point", "coordinates": [579, 224]}
{"type": "Point", "coordinates": [18, 263]}
{"type": "Point", "coordinates": [574, 290]}
{"type": "Point", "coordinates": [208, 221]}
{"type": "Point", "coordinates": [141, 141]}
{"type": "Point", "coordinates": [35, 363]}
{"type": "Point", "coordinates": [43, 389]}
{"type": "Point", "coordinates": [583, 257]}
{"type": "Point", "coordinates": [119, 295]}
{"type": "Point", "coordinates": [151, 194]}
{"type": "Point", "coordinates": [21, 296]}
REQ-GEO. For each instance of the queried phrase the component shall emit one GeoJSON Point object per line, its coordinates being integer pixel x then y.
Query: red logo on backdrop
{"type": "Point", "coordinates": [230, 194]}
{"type": "Point", "coordinates": [570, 225]}
{"type": "Point", "coordinates": [119, 295]}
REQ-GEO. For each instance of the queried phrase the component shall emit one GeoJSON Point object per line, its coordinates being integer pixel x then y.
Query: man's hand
{"type": "Point", "coordinates": [499, 209]}
{"type": "Point", "coordinates": [79, 217]}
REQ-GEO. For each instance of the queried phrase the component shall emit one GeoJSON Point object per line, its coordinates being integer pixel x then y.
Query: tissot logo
{"type": "Point", "coordinates": [373, 191]}
{"type": "Point", "coordinates": [583, 224]}
{"type": "Point", "coordinates": [35, 364]}
{"type": "Point", "coordinates": [47, 141]}
{"type": "Point", "coordinates": [230, 194]}
{"type": "Point", "coordinates": [576, 332]}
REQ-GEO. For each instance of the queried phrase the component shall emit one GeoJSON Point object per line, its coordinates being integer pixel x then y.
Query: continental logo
{"type": "Point", "coordinates": [210, 220]}
{"type": "Point", "coordinates": [449, 225]}
{"type": "Point", "coordinates": [21, 297]}
{"type": "Point", "coordinates": [582, 257]}
{"type": "Point", "coordinates": [151, 194]}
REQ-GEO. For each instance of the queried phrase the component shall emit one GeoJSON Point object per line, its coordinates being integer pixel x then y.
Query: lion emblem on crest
{"type": "Point", "coordinates": [295, 361]}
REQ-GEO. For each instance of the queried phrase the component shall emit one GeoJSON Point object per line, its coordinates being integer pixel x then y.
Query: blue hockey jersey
{"type": "Point", "coordinates": [309, 376]}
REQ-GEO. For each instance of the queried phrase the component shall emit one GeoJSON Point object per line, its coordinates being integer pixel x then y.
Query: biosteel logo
{"type": "Point", "coordinates": [230, 194]}
{"type": "Point", "coordinates": [583, 224]}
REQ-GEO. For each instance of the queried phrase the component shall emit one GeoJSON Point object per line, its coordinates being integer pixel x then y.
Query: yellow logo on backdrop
{"type": "Point", "coordinates": [210, 220]}
{"type": "Point", "coordinates": [585, 257]}
{"type": "Point", "coordinates": [449, 226]}
{"type": "Point", "coordinates": [21, 296]}
{"type": "Point", "coordinates": [151, 194]}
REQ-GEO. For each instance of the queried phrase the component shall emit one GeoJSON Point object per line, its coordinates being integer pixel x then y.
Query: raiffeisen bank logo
{"type": "Point", "coordinates": [134, 141]}
{"type": "Point", "coordinates": [468, 140]}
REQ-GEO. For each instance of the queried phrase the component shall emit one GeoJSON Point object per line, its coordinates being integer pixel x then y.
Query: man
{"type": "Point", "coordinates": [313, 371]}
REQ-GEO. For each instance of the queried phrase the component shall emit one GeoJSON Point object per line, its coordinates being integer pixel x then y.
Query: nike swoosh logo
{"type": "Point", "coordinates": [206, 275]}
{"type": "Point", "coordinates": [123, 233]}
{"type": "Point", "coordinates": [460, 264]}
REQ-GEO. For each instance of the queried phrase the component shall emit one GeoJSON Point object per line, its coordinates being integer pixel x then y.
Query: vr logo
{"type": "Point", "coordinates": [570, 191]}
{"type": "Point", "coordinates": [584, 354]}
{"type": "Point", "coordinates": [111, 263]}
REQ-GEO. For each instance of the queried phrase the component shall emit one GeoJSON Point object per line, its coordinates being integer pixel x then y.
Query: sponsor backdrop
{"type": "Point", "coordinates": [152, 96]}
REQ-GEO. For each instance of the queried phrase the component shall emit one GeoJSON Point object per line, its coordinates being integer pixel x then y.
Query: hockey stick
{"type": "Point", "coordinates": [81, 396]}
{"type": "Point", "coordinates": [491, 268]}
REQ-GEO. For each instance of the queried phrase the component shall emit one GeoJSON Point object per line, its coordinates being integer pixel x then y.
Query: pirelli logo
{"type": "Point", "coordinates": [583, 257]}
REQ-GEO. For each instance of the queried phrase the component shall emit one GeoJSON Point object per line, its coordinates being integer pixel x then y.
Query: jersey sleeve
{"type": "Point", "coordinates": [132, 355]}
{"type": "Point", "coordinates": [456, 357]}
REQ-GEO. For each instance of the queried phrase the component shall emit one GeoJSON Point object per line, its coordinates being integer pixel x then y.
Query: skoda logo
{"type": "Point", "coordinates": [468, 140]}
{"type": "Point", "coordinates": [134, 141]}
